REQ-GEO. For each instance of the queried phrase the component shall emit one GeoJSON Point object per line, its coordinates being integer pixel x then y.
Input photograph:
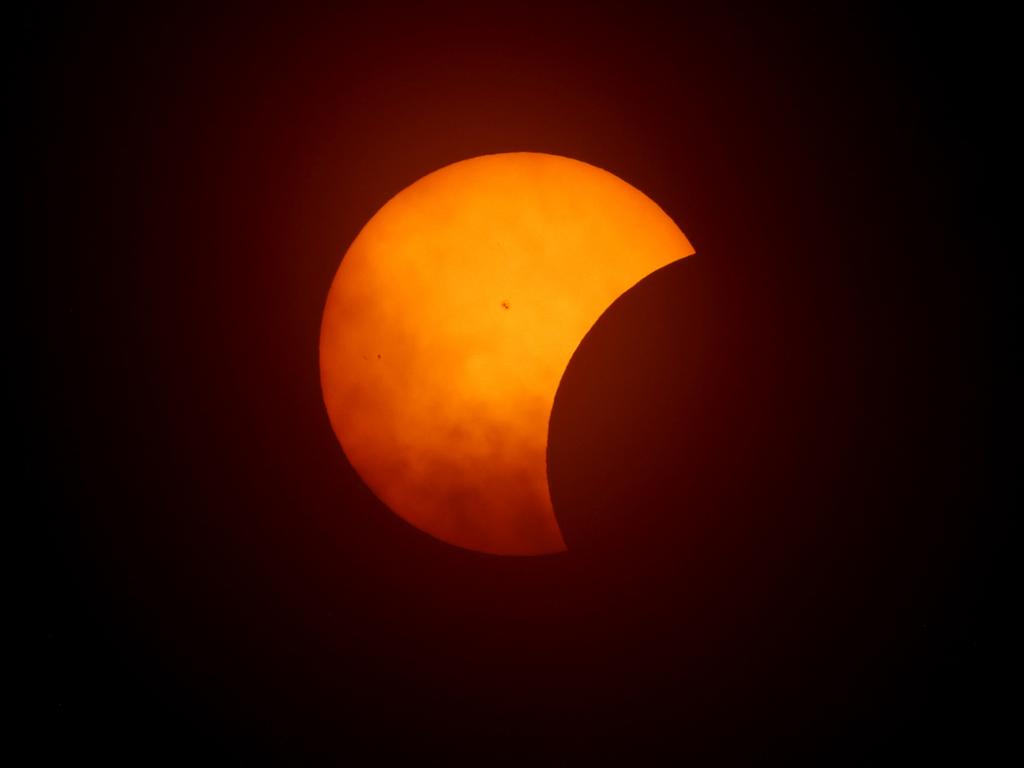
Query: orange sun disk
{"type": "Point", "coordinates": [449, 325]}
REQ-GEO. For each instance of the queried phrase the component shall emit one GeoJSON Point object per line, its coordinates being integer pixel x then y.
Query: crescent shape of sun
{"type": "Point", "coordinates": [449, 325]}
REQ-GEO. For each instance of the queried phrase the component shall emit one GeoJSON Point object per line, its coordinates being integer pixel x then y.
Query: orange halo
{"type": "Point", "coordinates": [449, 325]}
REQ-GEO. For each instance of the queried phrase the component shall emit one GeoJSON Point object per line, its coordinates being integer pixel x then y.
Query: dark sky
{"type": "Point", "coordinates": [771, 461]}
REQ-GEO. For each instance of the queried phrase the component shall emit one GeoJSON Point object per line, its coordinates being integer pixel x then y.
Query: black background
{"type": "Point", "coordinates": [771, 461]}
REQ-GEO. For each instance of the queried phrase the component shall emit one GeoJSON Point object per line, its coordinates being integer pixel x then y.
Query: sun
{"type": "Point", "coordinates": [449, 325]}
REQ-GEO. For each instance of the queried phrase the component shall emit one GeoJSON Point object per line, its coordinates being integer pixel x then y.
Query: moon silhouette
{"type": "Point", "coordinates": [450, 322]}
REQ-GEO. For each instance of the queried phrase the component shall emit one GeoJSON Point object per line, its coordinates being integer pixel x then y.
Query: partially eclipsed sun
{"type": "Point", "coordinates": [450, 322]}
